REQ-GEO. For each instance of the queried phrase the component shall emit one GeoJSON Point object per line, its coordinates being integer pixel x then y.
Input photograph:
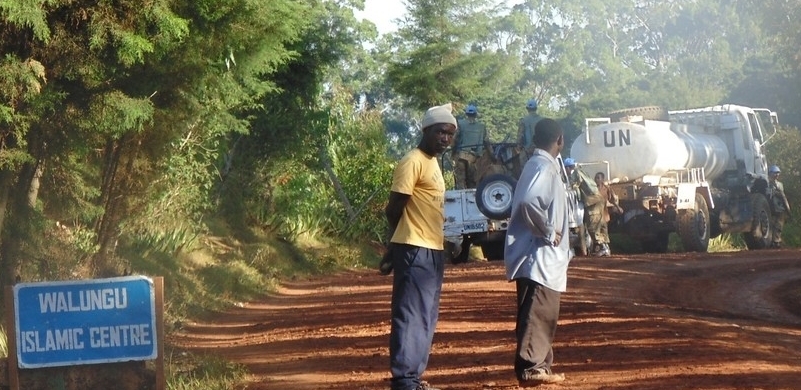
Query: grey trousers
{"type": "Point", "coordinates": [537, 314]}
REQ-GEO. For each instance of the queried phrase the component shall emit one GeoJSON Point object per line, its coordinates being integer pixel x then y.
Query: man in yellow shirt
{"type": "Point", "coordinates": [415, 214]}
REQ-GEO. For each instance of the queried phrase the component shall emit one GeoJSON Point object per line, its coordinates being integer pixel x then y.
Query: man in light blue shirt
{"type": "Point", "coordinates": [537, 254]}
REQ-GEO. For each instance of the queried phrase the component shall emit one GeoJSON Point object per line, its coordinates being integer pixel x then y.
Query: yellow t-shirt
{"type": "Point", "coordinates": [418, 175]}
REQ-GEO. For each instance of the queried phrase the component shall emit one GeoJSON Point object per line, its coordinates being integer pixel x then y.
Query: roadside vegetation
{"type": "Point", "coordinates": [230, 145]}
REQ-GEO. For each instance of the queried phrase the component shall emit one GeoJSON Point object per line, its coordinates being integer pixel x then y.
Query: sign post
{"type": "Point", "coordinates": [84, 322]}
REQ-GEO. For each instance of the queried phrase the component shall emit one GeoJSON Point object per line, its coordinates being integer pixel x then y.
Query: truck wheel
{"type": "Point", "coordinates": [493, 250]}
{"type": "Point", "coordinates": [654, 113]}
{"type": "Point", "coordinates": [693, 226]}
{"type": "Point", "coordinates": [760, 235]}
{"type": "Point", "coordinates": [494, 196]}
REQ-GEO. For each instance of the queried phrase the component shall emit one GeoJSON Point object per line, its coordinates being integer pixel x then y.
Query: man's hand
{"type": "Point", "coordinates": [557, 240]}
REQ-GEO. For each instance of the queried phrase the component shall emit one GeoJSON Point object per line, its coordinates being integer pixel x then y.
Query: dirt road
{"type": "Point", "coordinates": [675, 321]}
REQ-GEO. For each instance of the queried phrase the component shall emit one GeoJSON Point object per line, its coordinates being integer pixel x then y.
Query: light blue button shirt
{"type": "Point", "coordinates": [539, 211]}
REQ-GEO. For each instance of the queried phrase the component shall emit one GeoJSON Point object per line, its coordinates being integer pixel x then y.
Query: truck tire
{"type": "Point", "coordinates": [693, 226]}
{"type": "Point", "coordinates": [494, 196]}
{"type": "Point", "coordinates": [654, 113]}
{"type": "Point", "coordinates": [760, 235]}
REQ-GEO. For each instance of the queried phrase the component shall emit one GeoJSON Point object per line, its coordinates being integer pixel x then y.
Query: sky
{"type": "Point", "coordinates": [382, 12]}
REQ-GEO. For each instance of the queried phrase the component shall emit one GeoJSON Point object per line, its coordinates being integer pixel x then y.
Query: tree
{"type": "Point", "coordinates": [441, 52]}
{"type": "Point", "coordinates": [126, 83]}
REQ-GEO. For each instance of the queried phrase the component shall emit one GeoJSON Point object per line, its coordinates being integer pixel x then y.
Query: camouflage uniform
{"type": "Point", "coordinates": [598, 218]}
{"type": "Point", "coordinates": [780, 208]}
{"type": "Point", "coordinates": [525, 138]}
{"type": "Point", "coordinates": [471, 139]}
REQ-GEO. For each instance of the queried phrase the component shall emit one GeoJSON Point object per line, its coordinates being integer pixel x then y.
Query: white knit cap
{"type": "Point", "coordinates": [439, 114]}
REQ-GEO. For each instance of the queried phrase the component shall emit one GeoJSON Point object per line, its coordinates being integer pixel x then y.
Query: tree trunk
{"type": "Point", "coordinates": [17, 224]}
{"type": "Point", "coordinates": [103, 225]}
{"type": "Point", "coordinates": [33, 189]}
{"type": "Point", "coordinates": [9, 269]}
{"type": "Point", "coordinates": [117, 187]}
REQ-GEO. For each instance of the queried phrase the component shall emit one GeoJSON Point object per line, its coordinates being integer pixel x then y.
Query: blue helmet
{"type": "Point", "coordinates": [569, 162]}
{"type": "Point", "coordinates": [471, 109]}
{"type": "Point", "coordinates": [774, 169]}
{"type": "Point", "coordinates": [531, 104]}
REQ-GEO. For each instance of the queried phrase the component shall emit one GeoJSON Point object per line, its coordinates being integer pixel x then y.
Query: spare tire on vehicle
{"type": "Point", "coordinates": [494, 196]}
{"type": "Point", "coordinates": [653, 113]}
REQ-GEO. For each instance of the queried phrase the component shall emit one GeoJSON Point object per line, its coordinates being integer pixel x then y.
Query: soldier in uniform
{"type": "Point", "coordinates": [471, 140]}
{"type": "Point", "coordinates": [598, 215]}
{"type": "Point", "coordinates": [780, 207]}
{"type": "Point", "coordinates": [525, 134]}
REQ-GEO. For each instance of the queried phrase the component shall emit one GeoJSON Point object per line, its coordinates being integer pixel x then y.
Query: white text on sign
{"type": "Point", "coordinates": [84, 300]}
{"type": "Point", "coordinates": [99, 337]}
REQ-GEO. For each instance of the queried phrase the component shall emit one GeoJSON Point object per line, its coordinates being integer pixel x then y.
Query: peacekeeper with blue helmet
{"type": "Point", "coordinates": [471, 141]}
{"type": "Point", "coordinates": [525, 135]}
{"type": "Point", "coordinates": [779, 206]}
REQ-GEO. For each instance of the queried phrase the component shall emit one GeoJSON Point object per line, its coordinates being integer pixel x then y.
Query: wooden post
{"type": "Point", "coordinates": [11, 338]}
{"type": "Point", "coordinates": [161, 380]}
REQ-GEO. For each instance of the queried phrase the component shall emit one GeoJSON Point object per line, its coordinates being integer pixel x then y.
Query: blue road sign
{"type": "Point", "coordinates": [85, 321]}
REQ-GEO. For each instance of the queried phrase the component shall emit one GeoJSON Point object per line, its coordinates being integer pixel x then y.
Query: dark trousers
{"type": "Point", "coordinates": [537, 314]}
{"type": "Point", "coordinates": [416, 289]}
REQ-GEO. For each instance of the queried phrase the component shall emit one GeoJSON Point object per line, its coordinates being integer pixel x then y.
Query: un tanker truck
{"type": "Point", "coordinates": [697, 172]}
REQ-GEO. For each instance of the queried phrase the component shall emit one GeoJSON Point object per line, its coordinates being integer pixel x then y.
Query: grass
{"type": "Point", "coordinates": [190, 372]}
{"type": "Point", "coordinates": [3, 343]}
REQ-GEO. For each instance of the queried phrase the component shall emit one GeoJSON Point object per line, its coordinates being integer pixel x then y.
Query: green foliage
{"type": "Point", "coordinates": [357, 146]}
{"type": "Point", "coordinates": [28, 14]}
{"type": "Point", "coordinates": [784, 150]}
{"type": "Point", "coordinates": [3, 342]}
{"type": "Point", "coordinates": [727, 242]}
{"type": "Point", "coordinates": [233, 279]}
{"type": "Point", "coordinates": [298, 200]}
{"type": "Point", "coordinates": [440, 52]}
{"type": "Point", "coordinates": [116, 114]}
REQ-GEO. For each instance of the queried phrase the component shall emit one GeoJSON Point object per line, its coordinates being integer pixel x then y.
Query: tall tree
{"type": "Point", "coordinates": [441, 52]}
{"type": "Point", "coordinates": [124, 84]}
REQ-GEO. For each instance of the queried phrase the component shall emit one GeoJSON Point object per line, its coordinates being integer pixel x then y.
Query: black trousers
{"type": "Point", "coordinates": [537, 315]}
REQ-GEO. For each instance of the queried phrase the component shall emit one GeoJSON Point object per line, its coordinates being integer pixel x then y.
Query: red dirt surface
{"type": "Point", "coordinates": [673, 321]}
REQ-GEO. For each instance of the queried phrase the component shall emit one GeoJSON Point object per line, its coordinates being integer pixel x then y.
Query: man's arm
{"type": "Point", "coordinates": [394, 210]}
{"type": "Point", "coordinates": [534, 208]}
{"type": "Point", "coordinates": [784, 198]}
{"type": "Point", "coordinates": [487, 144]}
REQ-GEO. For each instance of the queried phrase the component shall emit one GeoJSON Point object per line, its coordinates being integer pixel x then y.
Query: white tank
{"type": "Point", "coordinates": [635, 150]}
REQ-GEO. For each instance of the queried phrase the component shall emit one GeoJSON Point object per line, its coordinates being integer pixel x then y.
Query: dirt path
{"type": "Point", "coordinates": [678, 321]}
